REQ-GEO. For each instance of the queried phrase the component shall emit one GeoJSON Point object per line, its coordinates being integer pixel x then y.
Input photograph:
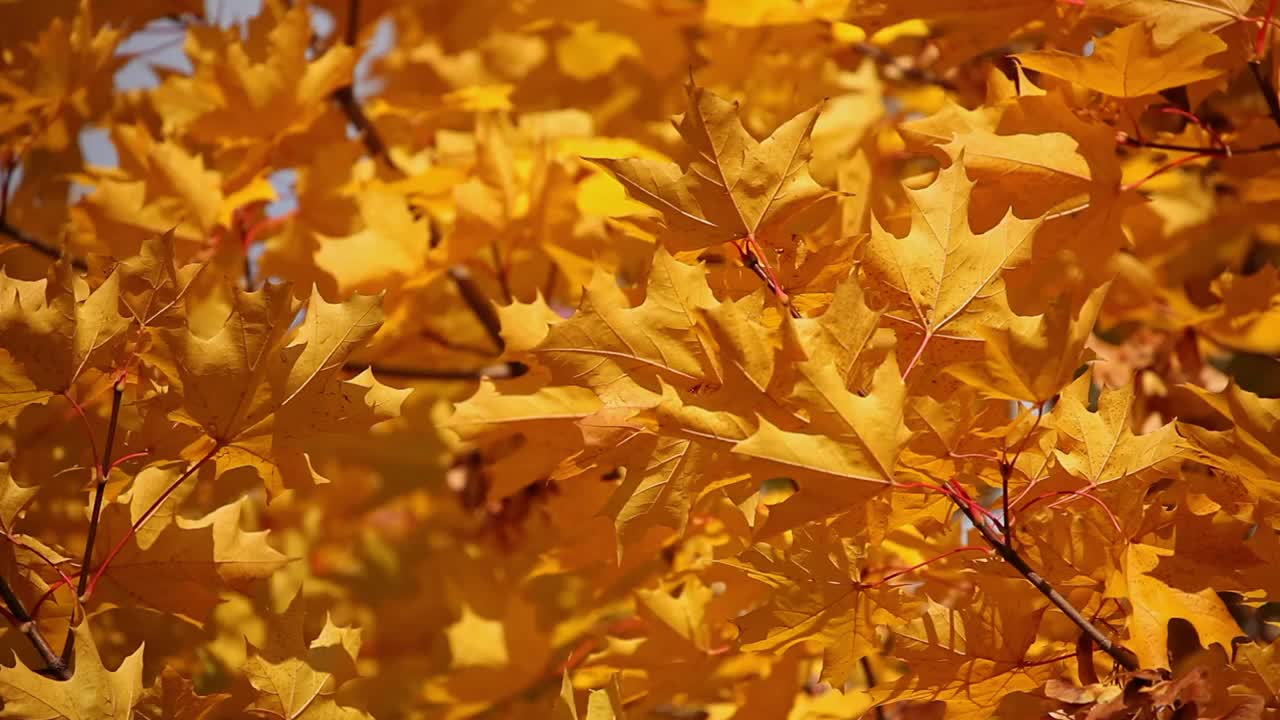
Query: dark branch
{"type": "Point", "coordinates": [37, 244]}
{"type": "Point", "coordinates": [1122, 655]}
{"type": "Point", "coordinates": [498, 371]}
{"type": "Point", "coordinates": [1268, 92]}
{"type": "Point", "coordinates": [871, 683]}
{"type": "Point", "coordinates": [479, 304]}
{"type": "Point", "coordinates": [1125, 139]}
{"type": "Point", "coordinates": [894, 69]}
{"type": "Point", "coordinates": [104, 467]}
{"type": "Point", "coordinates": [345, 97]}
{"type": "Point", "coordinates": [55, 667]}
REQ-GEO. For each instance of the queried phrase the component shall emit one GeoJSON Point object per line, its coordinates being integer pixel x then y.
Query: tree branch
{"type": "Point", "coordinates": [894, 69]}
{"type": "Point", "coordinates": [1122, 655]}
{"type": "Point", "coordinates": [104, 467]}
{"type": "Point", "coordinates": [500, 371]}
{"type": "Point", "coordinates": [146, 516]}
{"type": "Point", "coordinates": [1126, 139]}
{"type": "Point", "coordinates": [38, 245]}
{"type": "Point", "coordinates": [1268, 92]}
{"type": "Point", "coordinates": [479, 304]}
{"type": "Point", "coordinates": [871, 683]}
{"type": "Point", "coordinates": [56, 668]}
{"type": "Point", "coordinates": [345, 97]}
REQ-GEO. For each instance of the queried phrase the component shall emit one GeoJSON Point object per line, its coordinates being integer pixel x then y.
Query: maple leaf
{"type": "Point", "coordinates": [542, 423]}
{"type": "Point", "coordinates": [1248, 449]}
{"type": "Point", "coordinates": [942, 272]}
{"type": "Point", "coordinates": [94, 691]}
{"type": "Point", "coordinates": [177, 565]}
{"type": "Point", "coordinates": [603, 704]}
{"type": "Point", "coordinates": [816, 596]}
{"type": "Point", "coordinates": [52, 338]}
{"type": "Point", "coordinates": [735, 186]}
{"type": "Point", "coordinates": [256, 390]}
{"type": "Point", "coordinates": [74, 59]}
{"type": "Point", "coordinates": [1172, 21]}
{"type": "Point", "coordinates": [1033, 357]}
{"type": "Point", "coordinates": [296, 678]}
{"type": "Point", "coordinates": [365, 260]}
{"type": "Point", "coordinates": [974, 655]}
{"type": "Point", "coordinates": [1249, 312]}
{"type": "Point", "coordinates": [161, 187]}
{"type": "Point", "coordinates": [849, 436]}
{"type": "Point", "coordinates": [725, 451]}
{"type": "Point", "coordinates": [1127, 63]}
{"type": "Point", "coordinates": [268, 76]}
{"type": "Point", "coordinates": [619, 351]}
{"type": "Point", "coordinates": [1156, 603]}
{"type": "Point", "coordinates": [172, 697]}
{"type": "Point", "coordinates": [1099, 445]}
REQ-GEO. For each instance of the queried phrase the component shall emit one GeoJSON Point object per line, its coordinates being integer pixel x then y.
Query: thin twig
{"type": "Point", "coordinates": [753, 259]}
{"type": "Point", "coordinates": [1267, 90]}
{"type": "Point", "coordinates": [1122, 655]}
{"type": "Point", "coordinates": [1161, 170]}
{"type": "Point", "coordinates": [500, 371]}
{"type": "Point", "coordinates": [104, 467]}
{"type": "Point", "coordinates": [4, 185]}
{"type": "Point", "coordinates": [1260, 42]}
{"type": "Point", "coordinates": [480, 305]}
{"type": "Point", "coordinates": [345, 97]}
{"type": "Point", "coordinates": [871, 682]}
{"type": "Point", "coordinates": [500, 268]}
{"type": "Point", "coordinates": [38, 245]}
{"type": "Point", "coordinates": [1126, 139]}
{"type": "Point", "coordinates": [924, 342]}
{"type": "Point", "coordinates": [142, 520]}
{"type": "Point", "coordinates": [1076, 493]}
{"type": "Point", "coordinates": [56, 668]}
{"type": "Point", "coordinates": [1006, 470]}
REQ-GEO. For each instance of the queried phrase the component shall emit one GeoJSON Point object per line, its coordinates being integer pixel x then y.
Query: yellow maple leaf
{"type": "Point", "coordinates": [942, 273]}
{"type": "Point", "coordinates": [1155, 603]}
{"type": "Point", "coordinates": [1100, 446]}
{"type": "Point", "coordinates": [94, 691]}
{"type": "Point", "coordinates": [1128, 64]}
{"type": "Point", "coordinates": [254, 88]}
{"type": "Point", "coordinates": [735, 186]}
{"type": "Point", "coordinates": [256, 390]}
{"type": "Point", "coordinates": [213, 551]}
{"type": "Point", "coordinates": [297, 678]}
{"type": "Point", "coordinates": [51, 337]}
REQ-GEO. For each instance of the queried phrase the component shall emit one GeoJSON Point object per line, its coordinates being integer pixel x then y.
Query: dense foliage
{"type": "Point", "coordinates": [676, 359]}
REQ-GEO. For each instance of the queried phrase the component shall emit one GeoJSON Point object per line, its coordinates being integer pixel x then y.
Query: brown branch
{"type": "Point", "coordinates": [38, 245]}
{"type": "Point", "coordinates": [1006, 470]}
{"type": "Point", "coordinates": [498, 371]}
{"type": "Point", "coordinates": [1126, 139]}
{"type": "Point", "coordinates": [1268, 92]}
{"type": "Point", "coordinates": [479, 304]}
{"type": "Point", "coordinates": [893, 69]}
{"type": "Point", "coordinates": [56, 668]}
{"type": "Point", "coordinates": [5, 178]}
{"type": "Point", "coordinates": [871, 682]}
{"type": "Point", "coordinates": [146, 516]}
{"type": "Point", "coordinates": [500, 269]}
{"type": "Point", "coordinates": [345, 97]}
{"type": "Point", "coordinates": [1122, 655]}
{"type": "Point", "coordinates": [104, 467]}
